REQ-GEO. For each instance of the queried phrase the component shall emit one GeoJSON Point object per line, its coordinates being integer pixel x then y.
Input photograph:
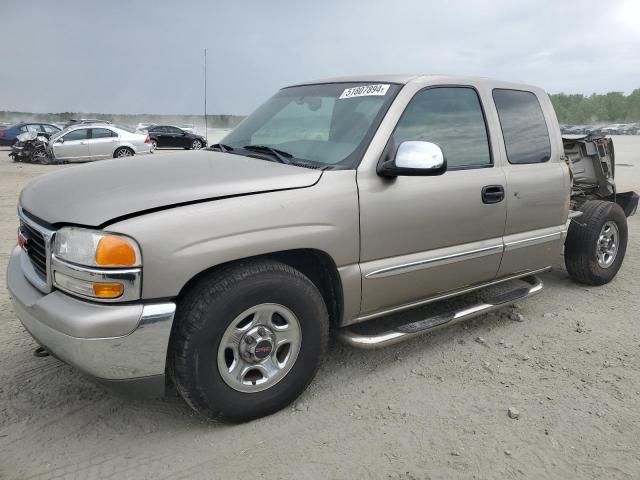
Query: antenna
{"type": "Point", "coordinates": [205, 98]}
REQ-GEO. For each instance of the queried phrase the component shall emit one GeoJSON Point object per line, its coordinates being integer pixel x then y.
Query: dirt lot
{"type": "Point", "coordinates": [435, 407]}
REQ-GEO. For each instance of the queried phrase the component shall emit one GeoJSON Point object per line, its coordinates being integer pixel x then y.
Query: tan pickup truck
{"type": "Point", "coordinates": [357, 205]}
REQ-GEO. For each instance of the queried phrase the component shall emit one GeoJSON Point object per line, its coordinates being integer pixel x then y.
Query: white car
{"type": "Point", "coordinates": [144, 126]}
{"type": "Point", "coordinates": [83, 143]}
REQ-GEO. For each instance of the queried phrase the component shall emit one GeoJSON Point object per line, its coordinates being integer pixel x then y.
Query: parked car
{"type": "Point", "coordinates": [613, 129]}
{"type": "Point", "coordinates": [631, 129]}
{"type": "Point", "coordinates": [333, 206]}
{"type": "Point", "coordinates": [87, 142]}
{"type": "Point", "coordinates": [85, 121]}
{"type": "Point", "coordinates": [166, 136]}
{"type": "Point", "coordinates": [9, 135]}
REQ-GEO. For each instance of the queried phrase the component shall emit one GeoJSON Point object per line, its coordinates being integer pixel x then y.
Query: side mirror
{"type": "Point", "coordinates": [415, 158]}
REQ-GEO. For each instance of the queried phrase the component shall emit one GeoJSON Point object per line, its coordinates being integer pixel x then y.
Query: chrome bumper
{"type": "Point", "coordinates": [109, 342]}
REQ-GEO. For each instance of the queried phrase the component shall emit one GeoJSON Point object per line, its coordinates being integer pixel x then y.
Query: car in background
{"type": "Point", "coordinates": [8, 136]}
{"type": "Point", "coordinates": [631, 129]}
{"type": "Point", "coordinates": [612, 129]}
{"type": "Point", "coordinates": [166, 136]}
{"type": "Point", "coordinates": [84, 121]}
{"type": "Point", "coordinates": [144, 126]}
{"type": "Point", "coordinates": [88, 142]}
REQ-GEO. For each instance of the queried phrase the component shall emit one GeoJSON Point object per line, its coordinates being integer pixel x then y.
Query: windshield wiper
{"type": "Point", "coordinates": [280, 155]}
{"type": "Point", "coordinates": [221, 147]}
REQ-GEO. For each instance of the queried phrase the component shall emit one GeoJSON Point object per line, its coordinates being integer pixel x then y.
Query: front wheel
{"type": "Point", "coordinates": [248, 340]}
{"type": "Point", "coordinates": [196, 145]}
{"type": "Point", "coordinates": [596, 243]}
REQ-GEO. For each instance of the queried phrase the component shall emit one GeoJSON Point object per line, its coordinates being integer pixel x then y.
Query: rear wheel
{"type": "Point", "coordinates": [123, 152]}
{"type": "Point", "coordinates": [248, 340]}
{"type": "Point", "coordinates": [596, 243]}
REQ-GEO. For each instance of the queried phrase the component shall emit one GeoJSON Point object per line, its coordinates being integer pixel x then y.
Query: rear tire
{"type": "Point", "coordinates": [212, 323]}
{"type": "Point", "coordinates": [596, 243]}
{"type": "Point", "coordinates": [123, 152]}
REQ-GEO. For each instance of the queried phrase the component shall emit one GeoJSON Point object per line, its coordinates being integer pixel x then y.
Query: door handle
{"type": "Point", "coordinates": [492, 194]}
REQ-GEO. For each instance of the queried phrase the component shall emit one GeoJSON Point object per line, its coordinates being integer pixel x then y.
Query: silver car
{"type": "Point", "coordinates": [84, 143]}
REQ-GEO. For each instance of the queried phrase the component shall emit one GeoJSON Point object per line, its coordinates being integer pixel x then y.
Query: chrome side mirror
{"type": "Point", "coordinates": [415, 158]}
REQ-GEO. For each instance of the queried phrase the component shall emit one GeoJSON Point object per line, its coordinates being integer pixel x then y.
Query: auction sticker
{"type": "Point", "coordinates": [365, 91]}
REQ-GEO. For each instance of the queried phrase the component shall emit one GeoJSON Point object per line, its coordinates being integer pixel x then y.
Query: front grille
{"type": "Point", "coordinates": [36, 248]}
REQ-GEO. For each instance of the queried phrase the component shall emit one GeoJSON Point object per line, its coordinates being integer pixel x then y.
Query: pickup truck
{"type": "Point", "coordinates": [377, 208]}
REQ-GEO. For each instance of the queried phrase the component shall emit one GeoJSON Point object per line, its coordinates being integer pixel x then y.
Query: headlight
{"type": "Point", "coordinates": [96, 265]}
{"type": "Point", "coordinates": [95, 248]}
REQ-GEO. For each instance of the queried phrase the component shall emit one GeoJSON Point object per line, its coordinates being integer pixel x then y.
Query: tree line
{"type": "Point", "coordinates": [612, 107]}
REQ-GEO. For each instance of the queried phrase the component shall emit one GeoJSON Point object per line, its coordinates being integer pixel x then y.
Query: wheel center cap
{"type": "Point", "coordinates": [263, 349]}
{"type": "Point", "coordinates": [257, 344]}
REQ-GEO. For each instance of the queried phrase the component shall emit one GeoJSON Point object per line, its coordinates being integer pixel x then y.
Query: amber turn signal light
{"type": "Point", "coordinates": [108, 290]}
{"type": "Point", "coordinates": [115, 251]}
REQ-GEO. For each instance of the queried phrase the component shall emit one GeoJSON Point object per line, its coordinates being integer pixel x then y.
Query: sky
{"type": "Point", "coordinates": [126, 56]}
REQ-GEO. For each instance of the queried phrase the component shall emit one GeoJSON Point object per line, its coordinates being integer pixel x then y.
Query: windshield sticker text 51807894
{"type": "Point", "coordinates": [365, 91]}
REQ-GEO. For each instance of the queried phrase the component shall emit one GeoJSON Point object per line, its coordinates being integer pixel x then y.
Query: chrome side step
{"type": "Point", "coordinates": [429, 324]}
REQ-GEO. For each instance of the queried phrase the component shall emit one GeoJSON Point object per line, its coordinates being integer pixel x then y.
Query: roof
{"type": "Point", "coordinates": [422, 78]}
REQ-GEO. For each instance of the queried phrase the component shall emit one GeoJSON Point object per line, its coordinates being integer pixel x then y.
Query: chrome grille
{"type": "Point", "coordinates": [36, 248]}
{"type": "Point", "coordinates": [36, 260]}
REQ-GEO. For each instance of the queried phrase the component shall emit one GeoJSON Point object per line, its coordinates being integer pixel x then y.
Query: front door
{"type": "Point", "coordinates": [73, 147]}
{"type": "Point", "coordinates": [421, 236]}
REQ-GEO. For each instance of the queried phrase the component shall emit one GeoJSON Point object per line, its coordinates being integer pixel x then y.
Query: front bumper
{"type": "Point", "coordinates": [123, 345]}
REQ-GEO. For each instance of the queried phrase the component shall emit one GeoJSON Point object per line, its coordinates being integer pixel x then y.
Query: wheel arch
{"type": "Point", "coordinates": [316, 264]}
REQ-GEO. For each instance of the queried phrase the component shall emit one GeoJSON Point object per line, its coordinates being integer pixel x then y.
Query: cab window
{"type": "Point", "coordinates": [525, 133]}
{"type": "Point", "coordinates": [452, 118]}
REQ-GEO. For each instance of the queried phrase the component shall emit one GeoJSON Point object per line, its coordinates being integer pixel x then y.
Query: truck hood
{"type": "Point", "coordinates": [96, 193]}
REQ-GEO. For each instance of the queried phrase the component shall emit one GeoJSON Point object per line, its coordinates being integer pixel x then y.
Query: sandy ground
{"type": "Point", "coordinates": [435, 407]}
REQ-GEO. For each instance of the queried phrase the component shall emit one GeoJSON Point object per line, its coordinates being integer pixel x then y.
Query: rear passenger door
{"type": "Point", "coordinates": [537, 187]}
{"type": "Point", "coordinates": [160, 133]}
{"type": "Point", "coordinates": [103, 143]}
{"type": "Point", "coordinates": [176, 137]}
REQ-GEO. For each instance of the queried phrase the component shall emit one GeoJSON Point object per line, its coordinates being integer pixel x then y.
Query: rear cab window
{"type": "Point", "coordinates": [525, 132]}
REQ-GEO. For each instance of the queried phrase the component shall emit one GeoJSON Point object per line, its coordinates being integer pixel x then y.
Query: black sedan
{"type": "Point", "coordinates": [165, 136]}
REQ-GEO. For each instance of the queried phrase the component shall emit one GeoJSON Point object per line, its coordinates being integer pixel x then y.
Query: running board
{"type": "Point", "coordinates": [413, 329]}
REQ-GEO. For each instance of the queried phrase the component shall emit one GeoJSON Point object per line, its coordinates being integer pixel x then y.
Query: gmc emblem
{"type": "Point", "coordinates": [22, 240]}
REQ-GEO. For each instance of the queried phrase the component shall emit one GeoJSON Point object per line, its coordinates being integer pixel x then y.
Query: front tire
{"type": "Point", "coordinates": [596, 243]}
{"type": "Point", "coordinates": [196, 145]}
{"type": "Point", "coordinates": [228, 352]}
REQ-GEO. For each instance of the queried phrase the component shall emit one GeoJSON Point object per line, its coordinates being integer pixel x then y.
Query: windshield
{"type": "Point", "coordinates": [326, 124]}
